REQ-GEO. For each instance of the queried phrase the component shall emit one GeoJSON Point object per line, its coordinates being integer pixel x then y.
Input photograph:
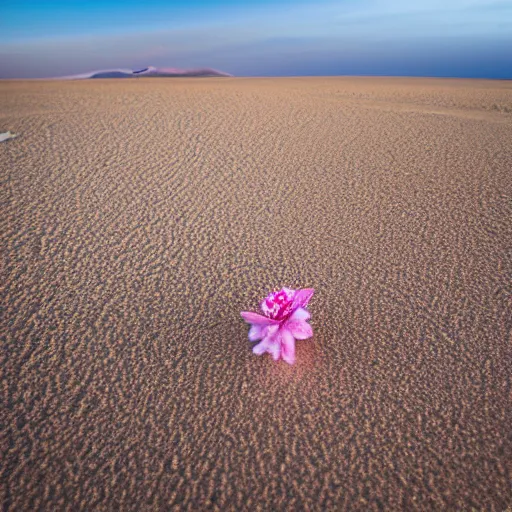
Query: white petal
{"type": "Point", "coordinates": [261, 347]}
{"type": "Point", "coordinates": [300, 329]}
{"type": "Point", "coordinates": [275, 351]}
{"type": "Point", "coordinates": [287, 346]}
{"type": "Point", "coordinates": [269, 344]}
{"type": "Point", "coordinates": [300, 314]}
{"type": "Point", "coordinates": [256, 332]}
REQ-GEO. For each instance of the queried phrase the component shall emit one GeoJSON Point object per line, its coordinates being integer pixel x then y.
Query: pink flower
{"type": "Point", "coordinates": [285, 320]}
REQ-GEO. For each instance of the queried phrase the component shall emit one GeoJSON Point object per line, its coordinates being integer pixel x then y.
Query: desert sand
{"type": "Point", "coordinates": [141, 216]}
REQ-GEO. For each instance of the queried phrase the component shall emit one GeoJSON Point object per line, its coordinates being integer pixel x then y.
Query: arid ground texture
{"type": "Point", "coordinates": [139, 217]}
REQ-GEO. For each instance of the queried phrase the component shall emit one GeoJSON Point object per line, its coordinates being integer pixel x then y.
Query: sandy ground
{"type": "Point", "coordinates": [140, 217]}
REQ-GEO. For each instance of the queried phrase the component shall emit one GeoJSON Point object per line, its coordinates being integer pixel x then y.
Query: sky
{"type": "Point", "coordinates": [455, 38]}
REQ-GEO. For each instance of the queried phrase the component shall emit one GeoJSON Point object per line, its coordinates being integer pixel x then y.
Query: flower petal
{"type": "Point", "coordinates": [261, 347]}
{"type": "Point", "coordinates": [287, 346]}
{"type": "Point", "coordinates": [300, 314]}
{"type": "Point", "coordinates": [302, 297]}
{"type": "Point", "coordinates": [271, 345]}
{"type": "Point", "coordinates": [300, 329]}
{"type": "Point", "coordinates": [278, 304]}
{"type": "Point", "coordinates": [256, 332]}
{"type": "Point", "coordinates": [254, 318]}
{"type": "Point", "coordinates": [275, 351]}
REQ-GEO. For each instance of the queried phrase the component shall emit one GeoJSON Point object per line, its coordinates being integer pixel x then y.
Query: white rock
{"type": "Point", "coordinates": [7, 135]}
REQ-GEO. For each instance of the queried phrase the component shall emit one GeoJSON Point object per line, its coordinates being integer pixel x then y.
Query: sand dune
{"type": "Point", "coordinates": [140, 217]}
{"type": "Point", "coordinates": [150, 71]}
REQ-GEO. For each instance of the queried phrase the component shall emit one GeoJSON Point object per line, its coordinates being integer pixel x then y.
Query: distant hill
{"type": "Point", "coordinates": [109, 74]}
{"type": "Point", "coordinates": [151, 71]}
{"type": "Point", "coordinates": [146, 72]}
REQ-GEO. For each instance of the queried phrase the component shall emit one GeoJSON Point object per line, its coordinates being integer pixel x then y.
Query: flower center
{"type": "Point", "coordinates": [278, 305]}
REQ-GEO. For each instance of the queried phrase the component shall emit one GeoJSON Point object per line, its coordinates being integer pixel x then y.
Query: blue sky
{"type": "Point", "coordinates": [467, 38]}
